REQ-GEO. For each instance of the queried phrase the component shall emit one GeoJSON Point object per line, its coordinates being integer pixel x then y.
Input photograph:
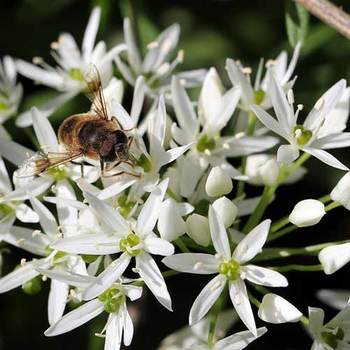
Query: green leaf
{"type": "Point", "coordinates": [297, 23]}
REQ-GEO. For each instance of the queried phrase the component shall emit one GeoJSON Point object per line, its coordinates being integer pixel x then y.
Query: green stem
{"type": "Point", "coordinates": [332, 205]}
{"type": "Point", "coordinates": [179, 242]}
{"type": "Point", "coordinates": [170, 273]}
{"type": "Point", "coordinates": [255, 301]}
{"type": "Point", "coordinates": [304, 320]}
{"type": "Point", "coordinates": [295, 267]}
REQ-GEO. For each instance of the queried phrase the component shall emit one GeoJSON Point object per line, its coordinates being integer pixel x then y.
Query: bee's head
{"type": "Point", "coordinates": [122, 151]}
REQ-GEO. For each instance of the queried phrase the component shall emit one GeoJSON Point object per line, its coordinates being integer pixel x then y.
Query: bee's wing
{"type": "Point", "coordinates": [40, 162]}
{"type": "Point", "coordinates": [95, 91]}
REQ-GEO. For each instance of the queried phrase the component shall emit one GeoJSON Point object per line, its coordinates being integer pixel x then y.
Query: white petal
{"type": "Point", "coordinates": [341, 192]}
{"type": "Point", "coordinates": [133, 292]}
{"type": "Point", "coordinates": [128, 327]}
{"type": "Point", "coordinates": [106, 278]}
{"type": "Point", "coordinates": [26, 214]}
{"type": "Point", "coordinates": [172, 154]}
{"type": "Point", "coordinates": [153, 278]}
{"type": "Point", "coordinates": [110, 216]}
{"type": "Point", "coordinates": [44, 132]}
{"type": "Point", "coordinates": [46, 219]}
{"type": "Point", "coordinates": [76, 318]}
{"type": "Point", "coordinates": [307, 212]}
{"type": "Point", "coordinates": [219, 234]}
{"type": "Point", "coordinates": [287, 154]}
{"type": "Point", "coordinates": [337, 298]}
{"type": "Point", "coordinates": [5, 182]}
{"type": "Point", "coordinates": [269, 121]}
{"type": "Point", "coordinates": [333, 141]}
{"type": "Point", "coordinates": [326, 157]}
{"type": "Point", "coordinates": [218, 183]}
{"type": "Point", "coordinates": [239, 340]}
{"type": "Point", "coordinates": [264, 276]}
{"type": "Point", "coordinates": [184, 110]}
{"type": "Point", "coordinates": [150, 210]}
{"type": "Point", "coordinates": [252, 243]}
{"type": "Point", "coordinates": [14, 152]}
{"type": "Point", "coordinates": [122, 115]}
{"type": "Point", "coordinates": [137, 100]}
{"type": "Point", "coordinates": [114, 332]}
{"type": "Point", "coordinates": [335, 257]}
{"type": "Point", "coordinates": [197, 263]}
{"type": "Point", "coordinates": [275, 309]}
{"type": "Point", "coordinates": [227, 210]}
{"type": "Point", "coordinates": [117, 187]}
{"type": "Point", "coordinates": [133, 52]}
{"type": "Point", "coordinates": [206, 299]}
{"type": "Point", "coordinates": [158, 246]}
{"type": "Point", "coordinates": [198, 229]}
{"type": "Point", "coordinates": [94, 244]}
{"type": "Point", "coordinates": [90, 34]}
{"type": "Point", "coordinates": [57, 300]}
{"type": "Point", "coordinates": [18, 277]}
{"type": "Point", "coordinates": [68, 278]}
{"type": "Point", "coordinates": [316, 317]}
{"type": "Point", "coordinates": [240, 301]}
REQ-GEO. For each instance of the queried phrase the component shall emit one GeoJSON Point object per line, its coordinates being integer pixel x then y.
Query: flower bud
{"type": "Point", "coordinates": [269, 172]}
{"type": "Point", "coordinates": [341, 192]}
{"type": "Point", "coordinates": [227, 210]}
{"type": "Point", "coordinates": [198, 229]}
{"type": "Point", "coordinates": [218, 183]}
{"type": "Point", "coordinates": [262, 169]}
{"type": "Point", "coordinates": [307, 213]}
{"type": "Point", "coordinates": [335, 257]}
{"type": "Point", "coordinates": [275, 309]}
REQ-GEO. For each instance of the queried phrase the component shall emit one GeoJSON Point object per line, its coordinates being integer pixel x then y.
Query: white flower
{"type": "Point", "coordinates": [333, 335]}
{"type": "Point", "coordinates": [218, 183]}
{"type": "Point", "coordinates": [118, 328]}
{"type": "Point", "coordinates": [155, 67]}
{"type": "Point", "coordinates": [307, 212]}
{"type": "Point", "coordinates": [306, 136]}
{"type": "Point", "coordinates": [275, 309]}
{"type": "Point", "coordinates": [337, 298]}
{"type": "Point", "coordinates": [258, 93]}
{"type": "Point", "coordinates": [230, 268]}
{"type": "Point", "coordinates": [198, 229]}
{"type": "Point", "coordinates": [341, 192]}
{"type": "Point", "coordinates": [10, 91]}
{"type": "Point", "coordinates": [334, 257]}
{"type": "Point", "coordinates": [132, 239]}
{"type": "Point", "coordinates": [68, 76]}
{"type": "Point", "coordinates": [227, 210]}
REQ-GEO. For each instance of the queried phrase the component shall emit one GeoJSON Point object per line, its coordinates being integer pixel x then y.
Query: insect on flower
{"type": "Point", "coordinates": [93, 135]}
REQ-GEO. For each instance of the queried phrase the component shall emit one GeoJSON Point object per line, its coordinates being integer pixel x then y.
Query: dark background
{"type": "Point", "coordinates": [211, 31]}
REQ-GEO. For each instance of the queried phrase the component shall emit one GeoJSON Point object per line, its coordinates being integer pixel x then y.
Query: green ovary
{"type": "Point", "coordinates": [302, 135]}
{"type": "Point", "coordinates": [332, 339]}
{"type": "Point", "coordinates": [205, 144]}
{"type": "Point", "coordinates": [124, 205]}
{"type": "Point", "coordinates": [76, 74]}
{"type": "Point", "coordinates": [3, 107]}
{"type": "Point", "coordinates": [127, 244]}
{"type": "Point", "coordinates": [32, 286]}
{"type": "Point", "coordinates": [57, 173]}
{"type": "Point", "coordinates": [259, 96]}
{"type": "Point", "coordinates": [112, 299]}
{"type": "Point", "coordinates": [5, 209]}
{"type": "Point", "coordinates": [230, 269]}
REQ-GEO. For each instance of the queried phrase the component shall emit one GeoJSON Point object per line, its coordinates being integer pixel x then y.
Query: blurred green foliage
{"type": "Point", "coordinates": [212, 30]}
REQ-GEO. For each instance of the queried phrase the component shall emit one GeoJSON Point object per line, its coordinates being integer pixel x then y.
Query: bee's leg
{"type": "Point", "coordinates": [123, 172]}
{"type": "Point", "coordinates": [102, 165]}
{"type": "Point", "coordinates": [128, 162]}
{"type": "Point", "coordinates": [82, 170]}
{"type": "Point", "coordinates": [130, 141]}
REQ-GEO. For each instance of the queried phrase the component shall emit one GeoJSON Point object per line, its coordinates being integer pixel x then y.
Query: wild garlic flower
{"type": "Point", "coordinates": [231, 269]}
{"type": "Point", "coordinates": [131, 239]}
{"type": "Point", "coordinates": [10, 91]}
{"type": "Point", "coordinates": [68, 76]}
{"type": "Point", "coordinates": [334, 335]}
{"type": "Point", "coordinates": [305, 137]}
{"type": "Point", "coordinates": [155, 67]}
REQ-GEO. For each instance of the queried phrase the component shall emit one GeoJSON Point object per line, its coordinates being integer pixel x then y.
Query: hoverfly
{"type": "Point", "coordinates": [93, 135]}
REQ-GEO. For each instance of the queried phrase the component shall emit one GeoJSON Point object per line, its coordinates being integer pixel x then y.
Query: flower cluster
{"type": "Point", "coordinates": [180, 194]}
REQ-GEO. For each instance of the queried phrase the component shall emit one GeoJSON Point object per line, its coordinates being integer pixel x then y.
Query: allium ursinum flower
{"type": "Point", "coordinates": [215, 109]}
{"type": "Point", "coordinates": [334, 335]}
{"type": "Point", "coordinates": [334, 257]}
{"type": "Point", "coordinates": [275, 309]}
{"type": "Point", "coordinates": [231, 269]}
{"type": "Point", "coordinates": [10, 91]}
{"type": "Point", "coordinates": [337, 298]}
{"type": "Point", "coordinates": [23, 158]}
{"type": "Point", "coordinates": [305, 137]}
{"type": "Point", "coordinates": [119, 327]}
{"type": "Point", "coordinates": [258, 94]}
{"type": "Point", "coordinates": [68, 76]}
{"type": "Point", "coordinates": [37, 242]}
{"type": "Point", "coordinates": [196, 337]}
{"type": "Point", "coordinates": [132, 239]}
{"type": "Point", "coordinates": [155, 67]}
{"type": "Point", "coordinates": [307, 212]}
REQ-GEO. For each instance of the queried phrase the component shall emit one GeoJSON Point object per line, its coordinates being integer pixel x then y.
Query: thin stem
{"type": "Point", "coordinates": [179, 242]}
{"type": "Point", "coordinates": [255, 301]}
{"type": "Point", "coordinates": [295, 267]}
{"type": "Point", "coordinates": [170, 273]}
{"type": "Point", "coordinates": [332, 205]}
{"type": "Point", "coordinates": [330, 14]}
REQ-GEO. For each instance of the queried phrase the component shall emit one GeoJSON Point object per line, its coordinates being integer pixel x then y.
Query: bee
{"type": "Point", "coordinates": [93, 135]}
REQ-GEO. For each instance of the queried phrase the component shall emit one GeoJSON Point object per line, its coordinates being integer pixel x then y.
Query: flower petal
{"type": "Point", "coordinates": [240, 301]}
{"type": "Point", "coordinates": [206, 299]}
{"type": "Point", "coordinates": [128, 327]}
{"type": "Point", "coordinates": [252, 243]}
{"type": "Point", "coordinates": [76, 318]}
{"type": "Point", "coordinates": [287, 154]}
{"type": "Point", "coordinates": [153, 278]}
{"type": "Point", "coordinates": [334, 257]}
{"type": "Point", "coordinates": [14, 152]}
{"type": "Point", "coordinates": [114, 332]}
{"type": "Point", "coordinates": [316, 318]}
{"type": "Point", "coordinates": [133, 51]}
{"type": "Point", "coordinates": [90, 34]}
{"type": "Point", "coordinates": [58, 298]}
{"type": "Point", "coordinates": [158, 246]}
{"type": "Point", "coordinates": [263, 276]}
{"type": "Point", "coordinates": [197, 263]}
{"type": "Point", "coordinates": [326, 157]}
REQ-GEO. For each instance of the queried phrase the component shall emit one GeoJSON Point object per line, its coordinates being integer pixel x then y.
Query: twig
{"type": "Point", "coordinates": [329, 13]}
